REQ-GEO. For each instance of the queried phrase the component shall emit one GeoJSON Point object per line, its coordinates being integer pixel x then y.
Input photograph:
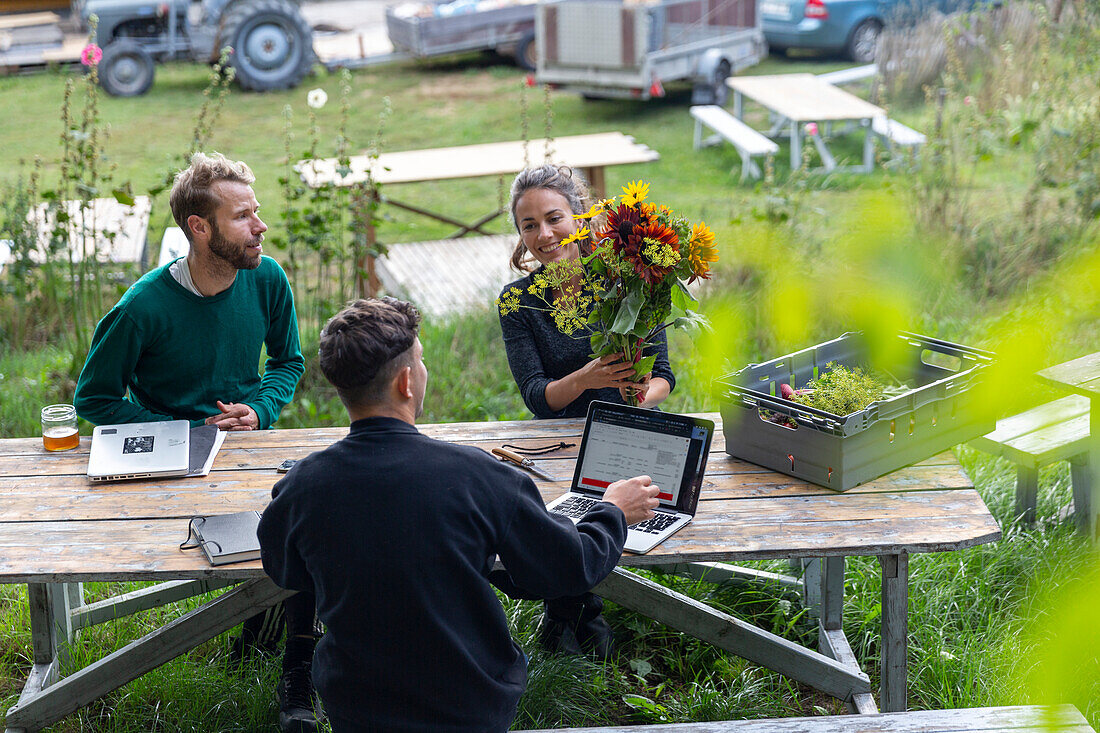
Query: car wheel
{"type": "Point", "coordinates": [863, 42]}
{"type": "Point", "coordinates": [126, 69]}
{"type": "Point", "coordinates": [272, 44]}
{"type": "Point", "coordinates": [527, 52]}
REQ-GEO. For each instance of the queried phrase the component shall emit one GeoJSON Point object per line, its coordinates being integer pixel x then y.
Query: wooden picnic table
{"type": "Point", "coordinates": [58, 530]}
{"type": "Point", "coordinates": [590, 153]}
{"type": "Point", "coordinates": [799, 99]}
{"type": "Point", "coordinates": [1082, 376]}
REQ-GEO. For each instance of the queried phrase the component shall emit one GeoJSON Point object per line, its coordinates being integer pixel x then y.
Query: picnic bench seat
{"type": "Point", "coordinates": [893, 133]}
{"type": "Point", "coordinates": [1056, 718]}
{"type": "Point", "coordinates": [849, 75]}
{"type": "Point", "coordinates": [748, 142]}
{"type": "Point", "coordinates": [1055, 431]}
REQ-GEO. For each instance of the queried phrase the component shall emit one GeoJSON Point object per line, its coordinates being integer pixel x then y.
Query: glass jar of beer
{"type": "Point", "coordinates": [59, 427]}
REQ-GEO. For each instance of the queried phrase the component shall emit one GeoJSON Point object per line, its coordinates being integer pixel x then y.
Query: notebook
{"type": "Point", "coordinates": [225, 538]}
{"type": "Point", "coordinates": [139, 450]}
{"type": "Point", "coordinates": [620, 442]}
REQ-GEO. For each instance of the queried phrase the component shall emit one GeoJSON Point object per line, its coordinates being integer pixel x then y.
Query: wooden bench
{"type": "Point", "coordinates": [849, 75]}
{"type": "Point", "coordinates": [748, 142]}
{"type": "Point", "coordinates": [1056, 431]}
{"type": "Point", "coordinates": [894, 134]}
{"type": "Point", "coordinates": [1060, 718]}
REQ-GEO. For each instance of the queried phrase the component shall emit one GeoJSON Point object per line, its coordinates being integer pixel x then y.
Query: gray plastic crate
{"type": "Point", "coordinates": [840, 452]}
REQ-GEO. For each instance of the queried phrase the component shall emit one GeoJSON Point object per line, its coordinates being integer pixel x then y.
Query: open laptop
{"type": "Point", "coordinates": [139, 450]}
{"type": "Point", "coordinates": [620, 442]}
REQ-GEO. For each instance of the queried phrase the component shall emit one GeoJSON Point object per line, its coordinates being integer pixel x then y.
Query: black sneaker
{"type": "Point", "coordinates": [556, 636]}
{"type": "Point", "coordinates": [296, 701]}
{"type": "Point", "coordinates": [596, 638]}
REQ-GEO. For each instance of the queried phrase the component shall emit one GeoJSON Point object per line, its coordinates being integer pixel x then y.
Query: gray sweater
{"type": "Point", "coordinates": [538, 353]}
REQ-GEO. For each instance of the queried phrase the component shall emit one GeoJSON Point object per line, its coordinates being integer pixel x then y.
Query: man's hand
{"type": "Point", "coordinates": [235, 416]}
{"type": "Point", "coordinates": [637, 497]}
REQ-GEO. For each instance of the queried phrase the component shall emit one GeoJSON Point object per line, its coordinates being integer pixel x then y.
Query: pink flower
{"type": "Point", "coordinates": [811, 128]}
{"type": "Point", "coordinates": [967, 100]}
{"type": "Point", "coordinates": [91, 55]}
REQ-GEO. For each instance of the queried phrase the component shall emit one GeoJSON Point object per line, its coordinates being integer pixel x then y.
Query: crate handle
{"type": "Point", "coordinates": [941, 360]}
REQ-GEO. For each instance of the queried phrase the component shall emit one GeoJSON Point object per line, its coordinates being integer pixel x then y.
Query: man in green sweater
{"type": "Point", "coordinates": [184, 342]}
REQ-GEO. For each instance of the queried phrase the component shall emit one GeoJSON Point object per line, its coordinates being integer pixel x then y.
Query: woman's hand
{"type": "Point", "coordinates": [612, 370]}
{"type": "Point", "coordinates": [606, 371]}
{"type": "Point", "coordinates": [649, 392]}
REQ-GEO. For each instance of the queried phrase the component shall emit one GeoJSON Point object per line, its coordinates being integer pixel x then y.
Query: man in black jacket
{"type": "Point", "coordinates": [396, 534]}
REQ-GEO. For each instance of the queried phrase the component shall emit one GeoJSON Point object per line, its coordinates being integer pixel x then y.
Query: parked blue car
{"type": "Point", "coordinates": [851, 27]}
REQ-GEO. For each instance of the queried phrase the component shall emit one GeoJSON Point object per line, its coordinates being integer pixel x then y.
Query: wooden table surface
{"type": "Point", "coordinates": [487, 159]}
{"type": "Point", "coordinates": [1081, 375]}
{"type": "Point", "coordinates": [57, 526]}
{"type": "Point", "coordinates": [804, 98]}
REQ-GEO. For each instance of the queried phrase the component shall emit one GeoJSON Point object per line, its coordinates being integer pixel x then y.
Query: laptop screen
{"type": "Point", "coordinates": [621, 441]}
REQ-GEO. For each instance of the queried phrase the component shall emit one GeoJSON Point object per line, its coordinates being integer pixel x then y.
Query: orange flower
{"type": "Point", "coordinates": [701, 251]}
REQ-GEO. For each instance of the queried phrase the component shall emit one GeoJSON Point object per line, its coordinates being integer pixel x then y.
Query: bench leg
{"type": "Point", "coordinates": [895, 629]}
{"type": "Point", "coordinates": [697, 138]}
{"type": "Point", "coordinates": [1027, 493]}
{"type": "Point", "coordinates": [1083, 500]}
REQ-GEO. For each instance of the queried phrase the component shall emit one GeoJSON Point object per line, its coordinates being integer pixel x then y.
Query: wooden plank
{"type": "Point", "coordinates": [43, 629]}
{"type": "Point", "coordinates": [487, 159]}
{"type": "Point", "coordinates": [24, 20]}
{"type": "Point", "coordinates": [1081, 374]}
{"type": "Point", "coordinates": [135, 659]}
{"type": "Point", "coordinates": [1049, 444]}
{"type": "Point", "coordinates": [1019, 426]}
{"type": "Point", "coordinates": [720, 572]}
{"type": "Point", "coordinates": [695, 618]}
{"type": "Point", "coordinates": [804, 98]}
{"type": "Point", "coordinates": [835, 644]}
{"type": "Point", "coordinates": [142, 599]}
{"type": "Point", "coordinates": [1062, 718]}
{"type": "Point", "coordinates": [895, 630]}
{"type": "Point", "coordinates": [449, 276]}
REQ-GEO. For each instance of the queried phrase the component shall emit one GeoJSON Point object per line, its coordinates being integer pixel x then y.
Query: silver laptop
{"type": "Point", "coordinates": [139, 450]}
{"type": "Point", "coordinates": [620, 442]}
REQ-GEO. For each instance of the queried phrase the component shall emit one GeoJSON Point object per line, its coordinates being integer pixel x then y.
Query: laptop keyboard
{"type": "Point", "coordinates": [578, 506]}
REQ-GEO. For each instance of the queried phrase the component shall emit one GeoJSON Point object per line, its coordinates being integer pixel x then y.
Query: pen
{"type": "Point", "coordinates": [522, 462]}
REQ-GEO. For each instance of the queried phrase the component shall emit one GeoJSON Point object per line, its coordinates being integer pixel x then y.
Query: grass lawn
{"type": "Point", "coordinates": [804, 258]}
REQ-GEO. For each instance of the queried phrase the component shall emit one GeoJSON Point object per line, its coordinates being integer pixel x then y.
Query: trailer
{"type": "Point", "coordinates": [465, 25]}
{"type": "Point", "coordinates": [630, 49]}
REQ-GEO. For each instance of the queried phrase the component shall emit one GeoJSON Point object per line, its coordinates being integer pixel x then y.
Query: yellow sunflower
{"type": "Point", "coordinates": [634, 192]}
{"type": "Point", "coordinates": [701, 251]}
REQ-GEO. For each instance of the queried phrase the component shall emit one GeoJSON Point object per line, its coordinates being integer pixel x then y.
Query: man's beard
{"type": "Point", "coordinates": [233, 253]}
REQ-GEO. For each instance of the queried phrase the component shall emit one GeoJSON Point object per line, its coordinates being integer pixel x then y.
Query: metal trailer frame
{"type": "Point", "coordinates": [500, 29]}
{"type": "Point", "coordinates": [592, 46]}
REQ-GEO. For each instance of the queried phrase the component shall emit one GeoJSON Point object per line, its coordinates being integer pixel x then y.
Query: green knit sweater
{"type": "Point", "coordinates": [164, 353]}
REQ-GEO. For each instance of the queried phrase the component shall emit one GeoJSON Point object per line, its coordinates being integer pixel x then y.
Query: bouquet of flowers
{"type": "Point", "coordinates": [624, 293]}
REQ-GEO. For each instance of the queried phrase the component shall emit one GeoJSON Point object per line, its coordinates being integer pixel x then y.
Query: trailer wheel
{"type": "Point", "coordinates": [721, 89]}
{"type": "Point", "coordinates": [126, 69]}
{"type": "Point", "coordinates": [272, 44]}
{"type": "Point", "coordinates": [527, 52]}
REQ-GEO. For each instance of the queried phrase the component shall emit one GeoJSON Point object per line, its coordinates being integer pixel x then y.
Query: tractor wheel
{"type": "Point", "coordinates": [126, 69]}
{"type": "Point", "coordinates": [272, 44]}
{"type": "Point", "coordinates": [527, 52]}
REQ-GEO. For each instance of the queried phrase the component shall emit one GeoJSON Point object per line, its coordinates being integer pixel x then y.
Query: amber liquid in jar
{"type": "Point", "coordinates": [60, 438]}
{"type": "Point", "coordinates": [59, 429]}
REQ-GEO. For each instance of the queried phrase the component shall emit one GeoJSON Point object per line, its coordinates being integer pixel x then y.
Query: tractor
{"type": "Point", "coordinates": [271, 41]}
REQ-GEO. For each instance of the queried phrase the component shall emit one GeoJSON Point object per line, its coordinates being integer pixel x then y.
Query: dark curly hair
{"type": "Point", "coordinates": [365, 345]}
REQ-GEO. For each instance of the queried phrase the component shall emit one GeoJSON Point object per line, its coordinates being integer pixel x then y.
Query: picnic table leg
{"type": "Point", "coordinates": [738, 106]}
{"type": "Point", "coordinates": [868, 146]}
{"type": "Point", "coordinates": [365, 202]}
{"type": "Point", "coordinates": [796, 145]}
{"type": "Point", "coordinates": [55, 701]}
{"type": "Point", "coordinates": [1089, 515]}
{"type": "Point", "coordinates": [597, 184]}
{"type": "Point", "coordinates": [45, 667]}
{"type": "Point", "coordinates": [831, 639]}
{"type": "Point", "coordinates": [732, 634]}
{"type": "Point", "coordinates": [895, 629]}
